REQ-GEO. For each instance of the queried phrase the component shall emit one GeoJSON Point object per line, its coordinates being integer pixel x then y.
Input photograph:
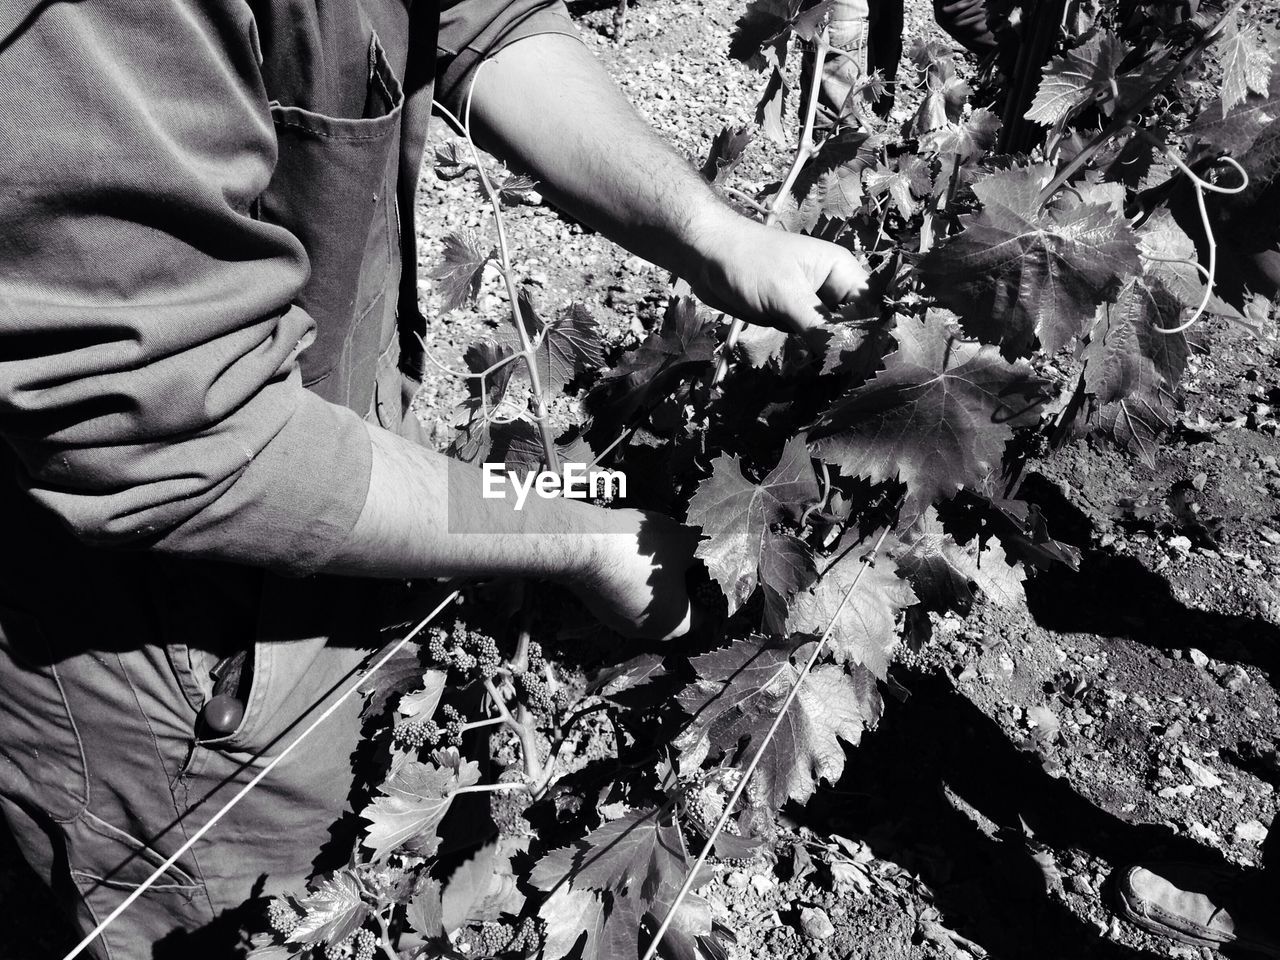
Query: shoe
{"type": "Point", "coordinates": [1203, 906]}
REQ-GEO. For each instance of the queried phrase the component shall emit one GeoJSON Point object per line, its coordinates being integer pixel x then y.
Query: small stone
{"type": "Point", "coordinates": [815, 924]}
{"type": "Point", "coordinates": [1201, 775]}
{"type": "Point", "coordinates": [1202, 833]}
{"type": "Point", "coordinates": [1236, 679]}
{"type": "Point", "coordinates": [736, 880]}
{"type": "Point", "coordinates": [1180, 544]}
{"type": "Point", "coordinates": [1250, 831]}
{"type": "Point", "coordinates": [1079, 883]}
{"type": "Point", "coordinates": [1197, 657]}
{"type": "Point", "coordinates": [761, 884]}
{"type": "Point", "coordinates": [1199, 480]}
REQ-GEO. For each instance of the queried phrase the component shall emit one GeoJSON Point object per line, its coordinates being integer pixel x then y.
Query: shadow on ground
{"type": "Point", "coordinates": [905, 791]}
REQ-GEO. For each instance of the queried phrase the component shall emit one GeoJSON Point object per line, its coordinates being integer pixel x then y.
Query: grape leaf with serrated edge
{"type": "Point", "coordinates": [461, 266]}
{"type": "Point", "coordinates": [970, 138]}
{"type": "Point", "coordinates": [414, 801]}
{"type": "Point", "coordinates": [865, 627]}
{"type": "Point", "coordinates": [630, 866]}
{"type": "Point", "coordinates": [332, 912]}
{"type": "Point", "coordinates": [726, 150]}
{"type": "Point", "coordinates": [567, 915]}
{"type": "Point", "coordinates": [483, 887]}
{"type": "Point", "coordinates": [937, 417]}
{"type": "Point", "coordinates": [1077, 77]}
{"type": "Point", "coordinates": [738, 517]}
{"type": "Point", "coordinates": [683, 344]}
{"type": "Point", "coordinates": [1017, 272]}
{"type": "Point", "coordinates": [737, 696]}
{"type": "Point", "coordinates": [399, 675]}
{"type": "Point", "coordinates": [481, 356]}
{"type": "Point", "coordinates": [422, 703]}
{"type": "Point", "coordinates": [1126, 355]}
{"type": "Point", "coordinates": [942, 571]}
{"type": "Point", "coordinates": [1246, 63]}
{"type": "Point", "coordinates": [565, 348]}
{"type": "Point", "coordinates": [635, 672]}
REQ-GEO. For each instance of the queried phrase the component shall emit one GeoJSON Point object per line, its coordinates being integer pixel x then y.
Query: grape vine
{"type": "Point", "coordinates": [848, 484]}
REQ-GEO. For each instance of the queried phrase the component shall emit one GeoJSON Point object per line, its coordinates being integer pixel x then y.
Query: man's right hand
{"type": "Point", "coordinates": [633, 579]}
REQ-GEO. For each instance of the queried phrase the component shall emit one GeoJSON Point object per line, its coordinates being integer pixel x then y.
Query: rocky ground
{"type": "Point", "coordinates": [1125, 712]}
{"type": "Point", "coordinates": [1128, 710]}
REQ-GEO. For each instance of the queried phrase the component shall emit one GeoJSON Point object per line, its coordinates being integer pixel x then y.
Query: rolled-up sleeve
{"type": "Point", "coordinates": [471, 30]}
{"type": "Point", "coordinates": [149, 340]}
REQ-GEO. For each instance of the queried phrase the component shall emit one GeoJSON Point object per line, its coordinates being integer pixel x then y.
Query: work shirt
{"type": "Point", "coordinates": [207, 274]}
{"type": "Point", "coordinates": [203, 207]}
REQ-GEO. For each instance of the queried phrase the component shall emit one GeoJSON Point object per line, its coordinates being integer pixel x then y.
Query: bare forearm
{"type": "Point", "coordinates": [426, 516]}
{"type": "Point", "coordinates": [546, 104]}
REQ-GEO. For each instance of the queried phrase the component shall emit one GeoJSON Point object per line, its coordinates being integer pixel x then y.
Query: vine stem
{"type": "Point", "coordinates": [491, 787]}
{"type": "Point", "coordinates": [804, 151]}
{"type": "Point", "coordinates": [759, 754]}
{"type": "Point", "coordinates": [528, 745]}
{"type": "Point", "coordinates": [386, 944]}
{"type": "Point", "coordinates": [1126, 115]}
{"type": "Point", "coordinates": [549, 453]}
{"type": "Point", "coordinates": [261, 775]}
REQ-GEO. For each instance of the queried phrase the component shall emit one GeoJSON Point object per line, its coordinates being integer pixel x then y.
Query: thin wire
{"type": "Point", "coordinates": [261, 775]}
{"type": "Point", "coordinates": [755, 760]}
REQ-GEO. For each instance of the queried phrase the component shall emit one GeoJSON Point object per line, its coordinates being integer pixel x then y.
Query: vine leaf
{"type": "Point", "coordinates": [738, 693]}
{"type": "Point", "coordinates": [636, 672]}
{"type": "Point", "coordinates": [1236, 131]}
{"type": "Point", "coordinates": [423, 703]}
{"type": "Point", "coordinates": [1131, 369]}
{"type": "Point", "coordinates": [739, 518]}
{"type": "Point", "coordinates": [1077, 77]}
{"type": "Point", "coordinates": [1017, 272]}
{"type": "Point", "coordinates": [415, 800]}
{"type": "Point", "coordinates": [972, 137]}
{"type": "Point", "coordinates": [1246, 63]}
{"type": "Point", "coordinates": [399, 675]}
{"type": "Point", "coordinates": [332, 912]}
{"type": "Point", "coordinates": [1126, 355]}
{"type": "Point", "coordinates": [864, 631]}
{"type": "Point", "coordinates": [726, 150]}
{"type": "Point", "coordinates": [943, 572]}
{"type": "Point", "coordinates": [461, 267]}
{"type": "Point", "coordinates": [566, 347]}
{"type": "Point", "coordinates": [937, 417]}
{"type": "Point", "coordinates": [682, 346]}
{"type": "Point", "coordinates": [604, 885]}
{"type": "Point", "coordinates": [484, 886]}
{"type": "Point", "coordinates": [425, 913]}
{"type": "Point", "coordinates": [568, 915]}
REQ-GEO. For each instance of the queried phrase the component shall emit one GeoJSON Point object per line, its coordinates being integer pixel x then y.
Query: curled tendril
{"type": "Point", "coordinates": [1201, 187]}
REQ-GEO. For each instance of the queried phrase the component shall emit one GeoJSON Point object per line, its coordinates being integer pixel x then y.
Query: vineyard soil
{"type": "Point", "coordinates": [1127, 710]}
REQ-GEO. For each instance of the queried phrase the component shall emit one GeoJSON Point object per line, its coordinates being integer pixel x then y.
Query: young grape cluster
{"type": "Point", "coordinates": [282, 917]}
{"type": "Point", "coordinates": [359, 946]}
{"type": "Point", "coordinates": [533, 687]}
{"type": "Point", "coordinates": [492, 938]}
{"type": "Point", "coordinates": [467, 651]}
{"type": "Point", "coordinates": [416, 734]}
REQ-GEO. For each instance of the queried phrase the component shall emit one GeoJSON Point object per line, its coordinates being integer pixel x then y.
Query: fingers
{"type": "Point", "coordinates": [846, 278]}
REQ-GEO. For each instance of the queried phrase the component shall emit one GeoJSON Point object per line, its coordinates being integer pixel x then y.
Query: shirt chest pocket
{"type": "Point", "coordinates": [334, 187]}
